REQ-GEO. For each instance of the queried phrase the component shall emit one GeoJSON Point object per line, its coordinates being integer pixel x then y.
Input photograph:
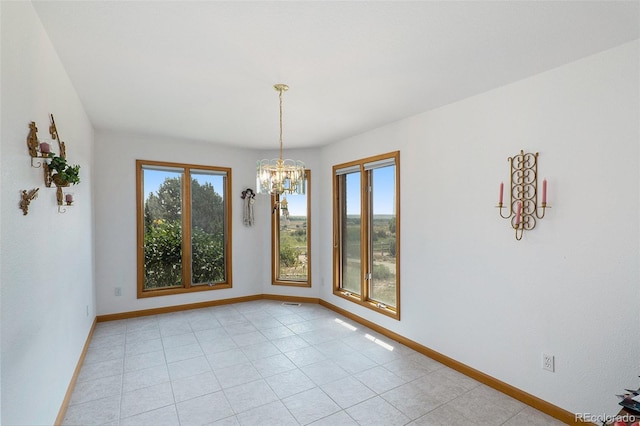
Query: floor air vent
{"type": "Point", "coordinates": [290, 304]}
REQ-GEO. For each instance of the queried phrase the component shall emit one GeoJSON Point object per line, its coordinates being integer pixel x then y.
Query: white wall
{"type": "Point", "coordinates": [47, 302]}
{"type": "Point", "coordinates": [116, 221]}
{"type": "Point", "coordinates": [570, 287]}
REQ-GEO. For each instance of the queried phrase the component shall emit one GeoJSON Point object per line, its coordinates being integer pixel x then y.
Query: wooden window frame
{"type": "Point", "coordinates": [275, 240]}
{"type": "Point", "coordinates": [363, 298]}
{"type": "Point", "coordinates": [187, 287]}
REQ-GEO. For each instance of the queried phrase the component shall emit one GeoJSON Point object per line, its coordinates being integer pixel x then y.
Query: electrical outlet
{"type": "Point", "coordinates": [118, 291]}
{"type": "Point", "coordinates": [548, 362]}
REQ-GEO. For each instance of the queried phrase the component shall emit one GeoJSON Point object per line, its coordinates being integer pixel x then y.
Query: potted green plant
{"type": "Point", "coordinates": [62, 173]}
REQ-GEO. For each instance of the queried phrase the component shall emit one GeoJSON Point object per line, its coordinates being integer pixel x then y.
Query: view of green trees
{"type": "Point", "coordinates": [163, 238]}
{"type": "Point", "coordinates": [293, 248]}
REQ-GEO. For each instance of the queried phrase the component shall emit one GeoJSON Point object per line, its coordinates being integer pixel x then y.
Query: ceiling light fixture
{"type": "Point", "coordinates": [278, 176]}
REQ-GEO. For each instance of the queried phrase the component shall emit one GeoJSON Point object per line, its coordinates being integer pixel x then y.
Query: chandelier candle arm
{"type": "Point", "coordinates": [278, 176]}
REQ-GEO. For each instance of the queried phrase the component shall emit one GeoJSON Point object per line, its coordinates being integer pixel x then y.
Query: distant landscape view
{"type": "Point", "coordinates": [294, 259]}
{"type": "Point", "coordinates": [383, 279]}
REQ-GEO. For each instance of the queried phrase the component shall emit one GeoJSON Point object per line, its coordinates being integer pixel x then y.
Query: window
{"type": "Point", "coordinates": [184, 228]}
{"type": "Point", "coordinates": [366, 259]}
{"type": "Point", "coordinates": [291, 238]}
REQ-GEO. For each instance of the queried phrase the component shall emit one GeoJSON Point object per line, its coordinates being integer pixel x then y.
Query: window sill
{"type": "Point", "coordinates": [374, 306]}
{"type": "Point", "coordinates": [181, 290]}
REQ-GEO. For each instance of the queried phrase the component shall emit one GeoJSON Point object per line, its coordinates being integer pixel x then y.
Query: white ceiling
{"type": "Point", "coordinates": [205, 70]}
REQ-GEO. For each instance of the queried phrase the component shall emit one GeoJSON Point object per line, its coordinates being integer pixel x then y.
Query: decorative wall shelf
{"type": "Point", "coordinates": [56, 170]}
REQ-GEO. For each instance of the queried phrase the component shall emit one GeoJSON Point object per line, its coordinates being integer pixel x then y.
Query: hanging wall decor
{"type": "Point", "coordinates": [56, 170]}
{"type": "Point", "coordinates": [248, 199]}
{"type": "Point", "coordinates": [26, 198]}
{"type": "Point", "coordinates": [522, 209]}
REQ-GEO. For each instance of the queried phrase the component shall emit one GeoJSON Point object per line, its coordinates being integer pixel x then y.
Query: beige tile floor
{"type": "Point", "coordinates": [267, 363]}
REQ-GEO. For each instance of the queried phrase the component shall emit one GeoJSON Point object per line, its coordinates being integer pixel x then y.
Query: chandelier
{"type": "Point", "coordinates": [278, 176]}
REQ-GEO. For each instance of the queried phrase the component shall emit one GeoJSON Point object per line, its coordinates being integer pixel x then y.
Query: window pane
{"type": "Point", "coordinates": [184, 221]}
{"type": "Point", "coordinates": [351, 219]}
{"type": "Point", "coordinates": [162, 189]}
{"type": "Point", "coordinates": [366, 257]}
{"type": "Point", "coordinates": [207, 228]}
{"type": "Point", "coordinates": [292, 238]}
{"type": "Point", "coordinates": [383, 236]}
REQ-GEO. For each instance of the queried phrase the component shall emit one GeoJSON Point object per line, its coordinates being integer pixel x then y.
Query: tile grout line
{"type": "Point", "coordinates": [310, 322]}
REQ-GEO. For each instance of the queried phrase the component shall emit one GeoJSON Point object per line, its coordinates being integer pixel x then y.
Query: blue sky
{"type": "Point", "coordinates": [383, 200]}
{"type": "Point", "coordinates": [383, 192]}
{"type": "Point", "coordinates": [297, 204]}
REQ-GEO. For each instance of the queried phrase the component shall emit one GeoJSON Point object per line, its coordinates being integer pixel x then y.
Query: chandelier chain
{"type": "Point", "coordinates": [280, 90]}
{"type": "Point", "coordinates": [279, 176]}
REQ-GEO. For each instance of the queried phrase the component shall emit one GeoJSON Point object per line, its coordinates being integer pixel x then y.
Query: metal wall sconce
{"type": "Point", "coordinates": [523, 207]}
